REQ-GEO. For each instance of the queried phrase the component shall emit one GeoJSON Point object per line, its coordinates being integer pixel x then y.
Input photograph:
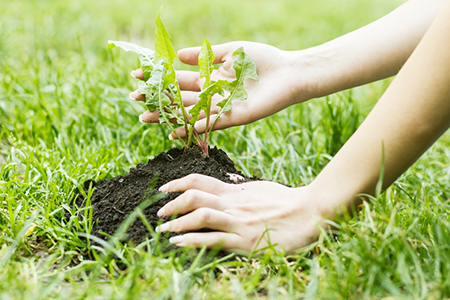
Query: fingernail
{"type": "Point", "coordinates": [162, 228]}
{"type": "Point", "coordinates": [132, 74]}
{"type": "Point", "coordinates": [164, 188]}
{"type": "Point", "coordinates": [161, 212]}
{"type": "Point", "coordinates": [130, 95]}
{"type": "Point", "coordinates": [176, 239]}
{"type": "Point", "coordinates": [141, 117]}
{"type": "Point", "coordinates": [170, 136]}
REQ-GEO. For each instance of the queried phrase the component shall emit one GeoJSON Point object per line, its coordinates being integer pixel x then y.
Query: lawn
{"type": "Point", "coordinates": [65, 117]}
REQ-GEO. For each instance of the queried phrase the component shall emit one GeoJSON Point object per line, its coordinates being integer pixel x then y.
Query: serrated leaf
{"type": "Point", "coordinates": [216, 87]}
{"type": "Point", "coordinates": [153, 89]}
{"type": "Point", "coordinates": [146, 66]}
{"type": "Point", "coordinates": [205, 62]}
{"type": "Point", "coordinates": [163, 47]}
{"type": "Point", "coordinates": [160, 86]}
{"type": "Point", "coordinates": [131, 47]}
{"type": "Point", "coordinates": [146, 56]}
{"type": "Point", "coordinates": [164, 51]}
{"type": "Point", "coordinates": [245, 68]}
{"type": "Point", "coordinates": [171, 113]}
{"type": "Point", "coordinates": [149, 91]}
{"type": "Point", "coordinates": [244, 65]}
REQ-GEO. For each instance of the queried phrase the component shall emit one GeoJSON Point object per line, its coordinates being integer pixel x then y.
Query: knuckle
{"type": "Point", "coordinates": [204, 215]}
{"type": "Point", "coordinates": [192, 240]}
{"type": "Point", "coordinates": [191, 196]}
{"type": "Point", "coordinates": [168, 209]}
{"type": "Point", "coordinates": [250, 221]}
{"type": "Point", "coordinates": [219, 239]}
{"type": "Point", "coordinates": [193, 179]}
{"type": "Point", "coordinates": [175, 226]}
{"type": "Point", "coordinates": [253, 240]}
{"type": "Point", "coordinates": [197, 81]}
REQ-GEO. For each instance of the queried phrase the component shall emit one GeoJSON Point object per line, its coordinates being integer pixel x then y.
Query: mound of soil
{"type": "Point", "coordinates": [114, 199]}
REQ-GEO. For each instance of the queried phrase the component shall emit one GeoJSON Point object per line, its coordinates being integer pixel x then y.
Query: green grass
{"type": "Point", "coordinates": [65, 117]}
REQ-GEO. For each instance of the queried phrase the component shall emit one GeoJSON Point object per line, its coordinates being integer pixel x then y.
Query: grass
{"type": "Point", "coordinates": [65, 118]}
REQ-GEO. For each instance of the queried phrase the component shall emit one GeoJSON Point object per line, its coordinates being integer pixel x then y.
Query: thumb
{"type": "Point", "coordinates": [190, 55]}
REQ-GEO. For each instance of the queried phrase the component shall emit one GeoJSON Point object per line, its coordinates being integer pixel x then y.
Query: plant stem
{"type": "Point", "coordinates": [163, 113]}
{"type": "Point", "coordinates": [208, 134]}
{"type": "Point", "coordinates": [183, 112]}
{"type": "Point", "coordinates": [215, 119]}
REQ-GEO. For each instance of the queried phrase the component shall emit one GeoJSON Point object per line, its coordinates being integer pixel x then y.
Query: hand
{"type": "Point", "coordinates": [282, 82]}
{"type": "Point", "coordinates": [241, 214]}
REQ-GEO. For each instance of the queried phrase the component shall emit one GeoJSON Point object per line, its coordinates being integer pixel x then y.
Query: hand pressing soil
{"type": "Point", "coordinates": [114, 199]}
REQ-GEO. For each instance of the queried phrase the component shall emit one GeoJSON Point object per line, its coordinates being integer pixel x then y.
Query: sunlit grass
{"type": "Point", "coordinates": [65, 117]}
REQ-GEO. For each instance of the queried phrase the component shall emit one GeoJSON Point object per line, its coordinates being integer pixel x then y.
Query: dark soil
{"type": "Point", "coordinates": [114, 199]}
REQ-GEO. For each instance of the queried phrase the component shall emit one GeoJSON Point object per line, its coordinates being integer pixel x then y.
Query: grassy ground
{"type": "Point", "coordinates": [65, 117]}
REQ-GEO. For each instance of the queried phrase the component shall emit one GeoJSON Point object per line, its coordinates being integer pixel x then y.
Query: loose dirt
{"type": "Point", "coordinates": [114, 199]}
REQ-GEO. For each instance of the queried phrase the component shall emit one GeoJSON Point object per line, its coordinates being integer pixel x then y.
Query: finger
{"type": "Point", "coordinates": [137, 96]}
{"type": "Point", "coordinates": [189, 201]}
{"type": "Point", "coordinates": [219, 240]}
{"type": "Point", "coordinates": [181, 131]}
{"type": "Point", "coordinates": [139, 74]}
{"type": "Point", "coordinates": [190, 55]}
{"type": "Point", "coordinates": [198, 219]}
{"type": "Point", "coordinates": [152, 117]}
{"type": "Point", "coordinates": [196, 181]}
{"type": "Point", "coordinates": [189, 80]}
{"type": "Point", "coordinates": [189, 98]}
{"type": "Point", "coordinates": [149, 117]}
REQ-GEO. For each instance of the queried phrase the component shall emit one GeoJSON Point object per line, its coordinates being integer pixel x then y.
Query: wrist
{"type": "Point", "coordinates": [325, 69]}
{"type": "Point", "coordinates": [334, 199]}
{"type": "Point", "coordinates": [310, 210]}
{"type": "Point", "coordinates": [339, 65]}
{"type": "Point", "coordinates": [302, 72]}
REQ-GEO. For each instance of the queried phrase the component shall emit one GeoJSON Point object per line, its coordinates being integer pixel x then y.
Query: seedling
{"type": "Point", "coordinates": [162, 92]}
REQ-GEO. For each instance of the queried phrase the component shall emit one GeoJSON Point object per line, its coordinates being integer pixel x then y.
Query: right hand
{"type": "Point", "coordinates": [282, 82]}
{"type": "Point", "coordinates": [243, 217]}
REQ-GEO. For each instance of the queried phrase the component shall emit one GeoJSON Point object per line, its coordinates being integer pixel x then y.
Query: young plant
{"type": "Point", "coordinates": [162, 92]}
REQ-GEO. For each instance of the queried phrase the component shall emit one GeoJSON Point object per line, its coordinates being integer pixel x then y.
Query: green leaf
{"type": "Point", "coordinates": [245, 68]}
{"type": "Point", "coordinates": [244, 65]}
{"type": "Point", "coordinates": [205, 62]}
{"type": "Point", "coordinates": [153, 89]}
{"type": "Point", "coordinates": [164, 51]}
{"type": "Point", "coordinates": [216, 87]}
{"type": "Point", "coordinates": [146, 66]}
{"type": "Point", "coordinates": [160, 85]}
{"type": "Point", "coordinates": [149, 54]}
{"type": "Point", "coordinates": [163, 47]}
{"type": "Point", "coordinates": [146, 56]}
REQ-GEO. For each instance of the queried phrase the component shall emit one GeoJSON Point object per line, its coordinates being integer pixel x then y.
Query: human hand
{"type": "Point", "coordinates": [241, 214]}
{"type": "Point", "coordinates": [282, 82]}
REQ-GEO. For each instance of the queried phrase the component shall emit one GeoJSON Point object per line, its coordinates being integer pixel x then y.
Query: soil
{"type": "Point", "coordinates": [114, 199]}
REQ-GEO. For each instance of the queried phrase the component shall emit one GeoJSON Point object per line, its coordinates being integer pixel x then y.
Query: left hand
{"type": "Point", "coordinates": [284, 79]}
{"type": "Point", "coordinates": [240, 214]}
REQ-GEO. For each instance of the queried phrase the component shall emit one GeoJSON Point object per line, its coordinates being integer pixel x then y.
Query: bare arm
{"type": "Point", "coordinates": [409, 117]}
{"type": "Point", "coordinates": [375, 51]}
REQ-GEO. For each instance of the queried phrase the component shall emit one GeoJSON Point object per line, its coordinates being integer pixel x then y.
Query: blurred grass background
{"type": "Point", "coordinates": [65, 117]}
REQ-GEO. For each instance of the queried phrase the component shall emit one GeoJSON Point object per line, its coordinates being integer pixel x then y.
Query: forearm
{"type": "Point", "coordinates": [370, 53]}
{"type": "Point", "coordinates": [410, 116]}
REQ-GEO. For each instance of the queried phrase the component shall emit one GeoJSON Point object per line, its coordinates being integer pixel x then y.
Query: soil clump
{"type": "Point", "coordinates": [114, 199]}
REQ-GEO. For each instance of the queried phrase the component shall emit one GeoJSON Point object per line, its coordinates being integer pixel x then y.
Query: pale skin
{"type": "Point", "coordinates": [414, 111]}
